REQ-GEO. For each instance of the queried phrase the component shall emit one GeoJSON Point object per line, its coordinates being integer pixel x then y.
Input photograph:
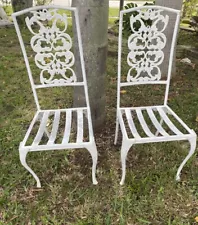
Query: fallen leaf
{"type": "Point", "coordinates": [196, 119]}
{"type": "Point", "coordinates": [123, 92]}
{"type": "Point", "coordinates": [196, 219]}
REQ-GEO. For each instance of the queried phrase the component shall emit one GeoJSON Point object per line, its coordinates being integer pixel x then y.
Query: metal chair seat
{"type": "Point", "coordinates": [59, 135]}
{"type": "Point", "coordinates": [145, 125]}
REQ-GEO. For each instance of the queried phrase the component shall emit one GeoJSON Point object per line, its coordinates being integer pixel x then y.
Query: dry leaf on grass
{"type": "Point", "coordinates": [196, 219]}
{"type": "Point", "coordinates": [123, 92]}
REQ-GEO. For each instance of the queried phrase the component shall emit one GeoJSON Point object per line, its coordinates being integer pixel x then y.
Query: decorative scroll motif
{"type": "Point", "coordinates": [146, 44]}
{"type": "Point", "coordinates": [52, 46]}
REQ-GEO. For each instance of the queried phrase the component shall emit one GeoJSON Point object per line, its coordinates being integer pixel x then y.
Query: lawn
{"type": "Point", "coordinates": [150, 194]}
{"type": "Point", "coordinates": [113, 12]}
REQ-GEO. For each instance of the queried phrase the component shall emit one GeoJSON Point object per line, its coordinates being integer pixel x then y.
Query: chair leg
{"type": "Point", "coordinates": [192, 141]}
{"type": "Point", "coordinates": [94, 154]}
{"type": "Point", "coordinates": [116, 132]}
{"type": "Point", "coordinates": [161, 122]}
{"type": "Point", "coordinates": [124, 151]}
{"type": "Point", "coordinates": [23, 154]}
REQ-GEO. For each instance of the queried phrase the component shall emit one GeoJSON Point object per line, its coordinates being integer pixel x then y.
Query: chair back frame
{"type": "Point", "coordinates": [165, 82]}
{"type": "Point", "coordinates": [74, 83]}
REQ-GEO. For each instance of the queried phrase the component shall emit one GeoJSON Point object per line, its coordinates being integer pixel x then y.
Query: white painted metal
{"type": "Point", "coordinates": [124, 84]}
{"type": "Point", "coordinates": [141, 43]}
{"type": "Point", "coordinates": [143, 123]}
{"type": "Point", "coordinates": [67, 127]}
{"type": "Point", "coordinates": [54, 128]}
{"type": "Point", "coordinates": [145, 63]}
{"type": "Point", "coordinates": [52, 35]}
{"type": "Point", "coordinates": [80, 126]}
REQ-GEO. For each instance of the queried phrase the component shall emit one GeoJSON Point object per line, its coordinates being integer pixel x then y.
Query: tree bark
{"type": "Point", "coordinates": [18, 5]}
{"type": "Point", "coordinates": [4, 20]}
{"type": "Point", "coordinates": [176, 4]}
{"type": "Point", "coordinates": [3, 15]}
{"type": "Point", "coordinates": [93, 16]}
{"type": "Point", "coordinates": [121, 4]}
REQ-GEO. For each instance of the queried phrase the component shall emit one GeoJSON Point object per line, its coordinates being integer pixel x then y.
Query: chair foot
{"type": "Point", "coordinates": [192, 141]}
{"type": "Point", "coordinates": [178, 178]}
{"type": "Point", "coordinates": [94, 154]}
{"type": "Point", "coordinates": [23, 154]}
{"type": "Point", "coordinates": [124, 151]}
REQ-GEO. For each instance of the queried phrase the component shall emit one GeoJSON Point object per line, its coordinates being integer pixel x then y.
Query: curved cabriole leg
{"type": "Point", "coordinates": [116, 132]}
{"type": "Point", "coordinates": [94, 154]}
{"type": "Point", "coordinates": [23, 154]}
{"type": "Point", "coordinates": [124, 151]}
{"type": "Point", "coordinates": [192, 141]}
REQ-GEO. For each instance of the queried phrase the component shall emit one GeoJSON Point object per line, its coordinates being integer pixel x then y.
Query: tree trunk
{"type": "Point", "coordinates": [121, 4]}
{"type": "Point", "coordinates": [18, 5]}
{"type": "Point", "coordinates": [176, 4]}
{"type": "Point", "coordinates": [93, 16]}
{"type": "Point", "coordinates": [4, 20]}
{"type": "Point", "coordinates": [3, 15]}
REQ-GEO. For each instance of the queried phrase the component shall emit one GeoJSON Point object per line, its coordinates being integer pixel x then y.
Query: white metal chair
{"type": "Point", "coordinates": [52, 45]}
{"type": "Point", "coordinates": [146, 45]}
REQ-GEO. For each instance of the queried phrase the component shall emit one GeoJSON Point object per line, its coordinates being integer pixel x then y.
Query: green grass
{"type": "Point", "coordinates": [113, 15]}
{"type": "Point", "coordinates": [150, 194]}
{"type": "Point", "coordinates": [113, 12]}
{"type": "Point", "coordinates": [187, 38]}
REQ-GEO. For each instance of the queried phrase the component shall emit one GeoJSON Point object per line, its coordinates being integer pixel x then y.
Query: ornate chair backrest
{"type": "Point", "coordinates": [52, 47]}
{"type": "Point", "coordinates": [146, 45]}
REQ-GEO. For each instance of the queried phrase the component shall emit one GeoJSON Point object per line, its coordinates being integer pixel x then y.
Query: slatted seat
{"type": "Point", "coordinates": [146, 46]}
{"type": "Point", "coordinates": [141, 130]}
{"type": "Point", "coordinates": [51, 46]}
{"type": "Point", "coordinates": [61, 129]}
